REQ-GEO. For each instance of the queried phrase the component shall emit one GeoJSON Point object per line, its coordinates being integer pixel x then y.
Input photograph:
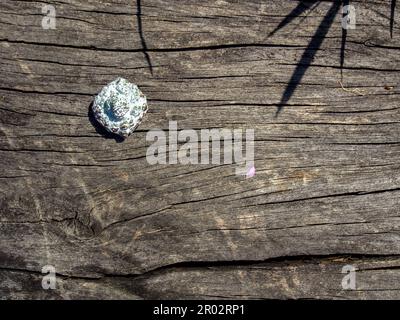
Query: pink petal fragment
{"type": "Point", "coordinates": [251, 172]}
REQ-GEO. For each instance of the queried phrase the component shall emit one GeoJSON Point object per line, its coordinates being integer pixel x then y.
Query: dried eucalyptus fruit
{"type": "Point", "coordinates": [120, 107]}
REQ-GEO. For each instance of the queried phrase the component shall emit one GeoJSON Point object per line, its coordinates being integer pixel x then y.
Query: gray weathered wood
{"type": "Point", "coordinates": [326, 189]}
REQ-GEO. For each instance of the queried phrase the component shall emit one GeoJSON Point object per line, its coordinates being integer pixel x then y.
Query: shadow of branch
{"type": "Point", "coordinates": [296, 12]}
{"type": "Point", "coordinates": [141, 34]}
{"type": "Point", "coordinates": [392, 12]}
{"type": "Point", "coordinates": [343, 44]}
{"type": "Point", "coordinates": [308, 55]}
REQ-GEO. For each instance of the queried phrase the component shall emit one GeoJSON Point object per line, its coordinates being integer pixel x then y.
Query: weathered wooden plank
{"type": "Point", "coordinates": [327, 178]}
{"type": "Point", "coordinates": [375, 278]}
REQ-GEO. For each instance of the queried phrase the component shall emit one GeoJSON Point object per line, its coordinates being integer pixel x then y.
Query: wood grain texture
{"type": "Point", "coordinates": [327, 184]}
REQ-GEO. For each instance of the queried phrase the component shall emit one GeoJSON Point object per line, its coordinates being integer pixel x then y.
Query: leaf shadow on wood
{"type": "Point", "coordinates": [392, 12]}
{"type": "Point", "coordinates": [296, 12]}
{"type": "Point", "coordinates": [343, 44]}
{"type": "Point", "coordinates": [308, 55]}
{"type": "Point", "coordinates": [141, 35]}
{"type": "Point", "coordinates": [100, 129]}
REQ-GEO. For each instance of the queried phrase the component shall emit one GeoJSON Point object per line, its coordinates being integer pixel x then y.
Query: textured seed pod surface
{"type": "Point", "coordinates": [119, 107]}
